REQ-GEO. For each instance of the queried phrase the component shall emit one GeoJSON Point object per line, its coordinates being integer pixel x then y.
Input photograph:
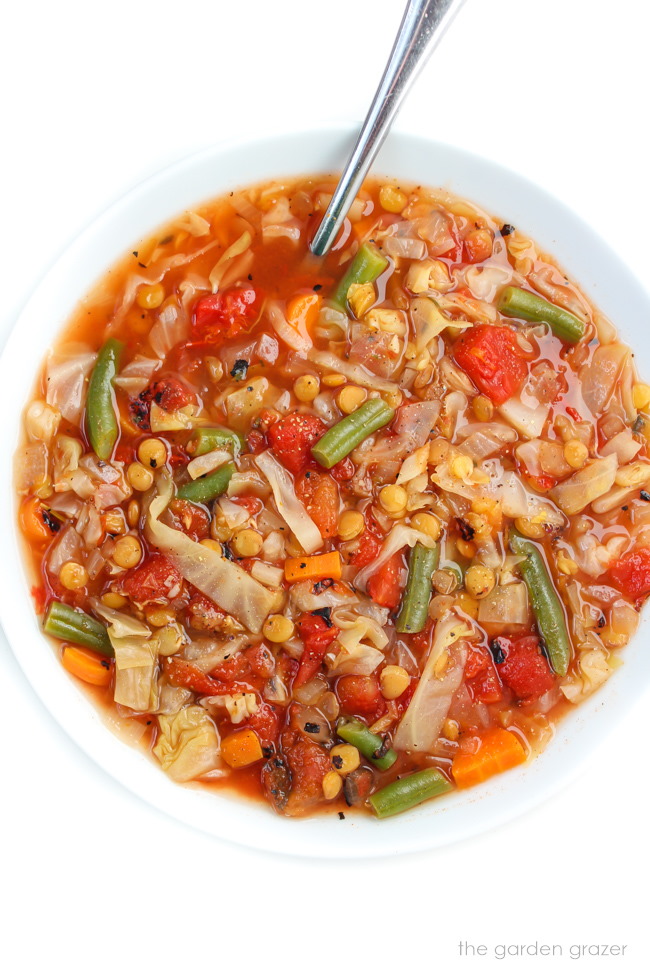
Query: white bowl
{"type": "Point", "coordinates": [584, 256]}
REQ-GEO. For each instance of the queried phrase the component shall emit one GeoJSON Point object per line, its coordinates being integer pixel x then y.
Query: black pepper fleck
{"type": "Point", "coordinates": [507, 229]}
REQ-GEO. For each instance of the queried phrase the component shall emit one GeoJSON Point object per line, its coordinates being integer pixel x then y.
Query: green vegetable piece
{"type": "Point", "coordinates": [548, 610]}
{"type": "Point", "coordinates": [517, 303]}
{"type": "Point", "coordinates": [367, 264]}
{"type": "Point", "coordinates": [101, 415]}
{"type": "Point", "coordinates": [348, 433]}
{"type": "Point", "coordinates": [371, 746]}
{"type": "Point", "coordinates": [208, 487]}
{"type": "Point", "coordinates": [413, 613]}
{"type": "Point", "coordinates": [206, 439]}
{"type": "Point", "coordinates": [403, 794]}
{"type": "Point", "coordinates": [66, 623]}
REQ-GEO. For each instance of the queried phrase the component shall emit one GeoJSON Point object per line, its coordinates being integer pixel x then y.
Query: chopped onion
{"type": "Point", "coordinates": [289, 507]}
{"type": "Point", "coordinates": [358, 374]}
{"type": "Point", "coordinates": [268, 575]}
{"type": "Point", "coordinates": [528, 419]}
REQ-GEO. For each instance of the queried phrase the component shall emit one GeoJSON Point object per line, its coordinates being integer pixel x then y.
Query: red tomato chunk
{"type": "Point", "coordinates": [523, 667]}
{"type": "Point", "coordinates": [632, 573]}
{"type": "Point", "coordinates": [493, 360]}
{"type": "Point", "coordinates": [155, 580]}
{"type": "Point", "coordinates": [225, 315]}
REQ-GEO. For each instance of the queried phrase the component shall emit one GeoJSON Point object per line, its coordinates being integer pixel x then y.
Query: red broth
{"type": "Point", "coordinates": [373, 615]}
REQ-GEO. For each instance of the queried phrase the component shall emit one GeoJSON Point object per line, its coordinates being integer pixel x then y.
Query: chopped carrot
{"type": "Point", "coordinates": [241, 748]}
{"type": "Point", "coordinates": [499, 750]}
{"type": "Point", "coordinates": [303, 309]}
{"type": "Point", "coordinates": [326, 566]}
{"type": "Point", "coordinates": [87, 666]}
{"type": "Point", "coordinates": [33, 521]}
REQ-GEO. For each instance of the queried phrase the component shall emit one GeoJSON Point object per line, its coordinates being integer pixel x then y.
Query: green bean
{"type": "Point", "coordinates": [206, 439]}
{"type": "Point", "coordinates": [371, 746]}
{"type": "Point", "coordinates": [348, 433]}
{"type": "Point", "coordinates": [66, 623]}
{"type": "Point", "coordinates": [101, 418]}
{"type": "Point", "coordinates": [517, 303]}
{"type": "Point", "coordinates": [413, 613]}
{"type": "Point", "coordinates": [367, 264]}
{"type": "Point", "coordinates": [208, 487]}
{"type": "Point", "coordinates": [547, 608]}
{"type": "Point", "coordinates": [403, 794]}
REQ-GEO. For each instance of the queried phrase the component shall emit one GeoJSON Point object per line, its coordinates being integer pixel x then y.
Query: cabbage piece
{"type": "Point", "coordinates": [296, 337]}
{"type": "Point", "coordinates": [240, 706]}
{"type": "Point", "coordinates": [188, 743]}
{"type": "Point", "coordinates": [67, 373]}
{"type": "Point", "coordinates": [356, 373]}
{"type": "Point", "coordinates": [42, 421]}
{"type": "Point", "coordinates": [527, 418]}
{"type": "Point", "coordinates": [136, 375]}
{"type": "Point", "coordinates": [136, 659]}
{"type": "Point", "coordinates": [308, 595]}
{"type": "Point", "coordinates": [423, 719]}
{"type": "Point", "coordinates": [594, 480]}
{"type": "Point", "coordinates": [505, 604]}
{"type": "Point", "coordinates": [398, 537]}
{"type": "Point", "coordinates": [623, 445]}
{"type": "Point", "coordinates": [222, 581]}
{"type": "Point", "coordinates": [162, 421]}
{"type": "Point", "coordinates": [31, 470]}
{"type": "Point", "coordinates": [594, 671]}
{"type": "Point", "coordinates": [170, 329]}
{"type": "Point", "coordinates": [205, 463]}
{"type": "Point", "coordinates": [237, 248]}
{"type": "Point", "coordinates": [290, 508]}
{"type": "Point", "coordinates": [246, 401]}
{"type": "Point", "coordinates": [428, 321]}
{"type": "Point", "coordinates": [66, 455]}
{"type": "Point", "coordinates": [599, 378]}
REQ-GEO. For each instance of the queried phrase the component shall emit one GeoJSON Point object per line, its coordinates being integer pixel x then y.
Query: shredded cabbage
{"type": "Point", "coordinates": [188, 743]}
{"type": "Point", "coordinates": [290, 508]}
{"type": "Point", "coordinates": [222, 581]}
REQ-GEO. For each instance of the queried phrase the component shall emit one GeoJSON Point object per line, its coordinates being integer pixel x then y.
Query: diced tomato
{"type": "Point", "coordinates": [493, 360]}
{"type": "Point", "coordinates": [190, 518]}
{"type": "Point", "coordinates": [420, 642]}
{"type": "Point", "coordinates": [478, 245]}
{"type": "Point", "coordinates": [481, 678]}
{"type": "Point", "coordinates": [385, 586]}
{"type": "Point", "coordinates": [292, 438]}
{"type": "Point", "coordinates": [360, 695]}
{"type": "Point", "coordinates": [317, 634]}
{"type": "Point", "coordinates": [523, 667]}
{"type": "Point", "coordinates": [631, 574]}
{"type": "Point", "coordinates": [343, 471]}
{"type": "Point", "coordinates": [226, 314]}
{"type": "Point", "coordinates": [265, 722]}
{"type": "Point", "coordinates": [368, 548]}
{"type": "Point", "coordinates": [124, 453]}
{"type": "Point", "coordinates": [252, 504]}
{"type": "Point", "coordinates": [573, 413]}
{"type": "Point", "coordinates": [155, 580]}
{"type": "Point", "coordinates": [181, 673]}
{"type": "Point", "coordinates": [204, 615]}
{"type": "Point", "coordinates": [40, 597]}
{"type": "Point", "coordinates": [261, 660]}
{"type": "Point", "coordinates": [320, 496]}
{"type": "Point", "coordinates": [294, 780]}
{"type": "Point", "coordinates": [178, 457]}
{"type": "Point", "coordinates": [170, 394]}
{"type": "Point", "coordinates": [256, 441]}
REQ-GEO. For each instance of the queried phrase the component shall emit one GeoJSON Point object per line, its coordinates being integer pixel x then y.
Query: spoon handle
{"type": "Point", "coordinates": [423, 25]}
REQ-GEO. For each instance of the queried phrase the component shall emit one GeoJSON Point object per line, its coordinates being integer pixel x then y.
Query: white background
{"type": "Point", "coordinates": [94, 99]}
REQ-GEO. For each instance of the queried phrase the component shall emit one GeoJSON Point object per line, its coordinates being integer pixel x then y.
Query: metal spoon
{"type": "Point", "coordinates": [423, 25]}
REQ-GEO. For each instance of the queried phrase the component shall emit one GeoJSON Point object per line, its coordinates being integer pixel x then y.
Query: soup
{"type": "Point", "coordinates": [344, 531]}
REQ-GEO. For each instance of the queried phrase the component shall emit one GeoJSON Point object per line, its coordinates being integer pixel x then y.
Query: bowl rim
{"type": "Point", "coordinates": [459, 815]}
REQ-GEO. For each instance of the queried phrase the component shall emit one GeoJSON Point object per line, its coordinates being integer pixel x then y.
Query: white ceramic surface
{"type": "Point", "coordinates": [585, 257]}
